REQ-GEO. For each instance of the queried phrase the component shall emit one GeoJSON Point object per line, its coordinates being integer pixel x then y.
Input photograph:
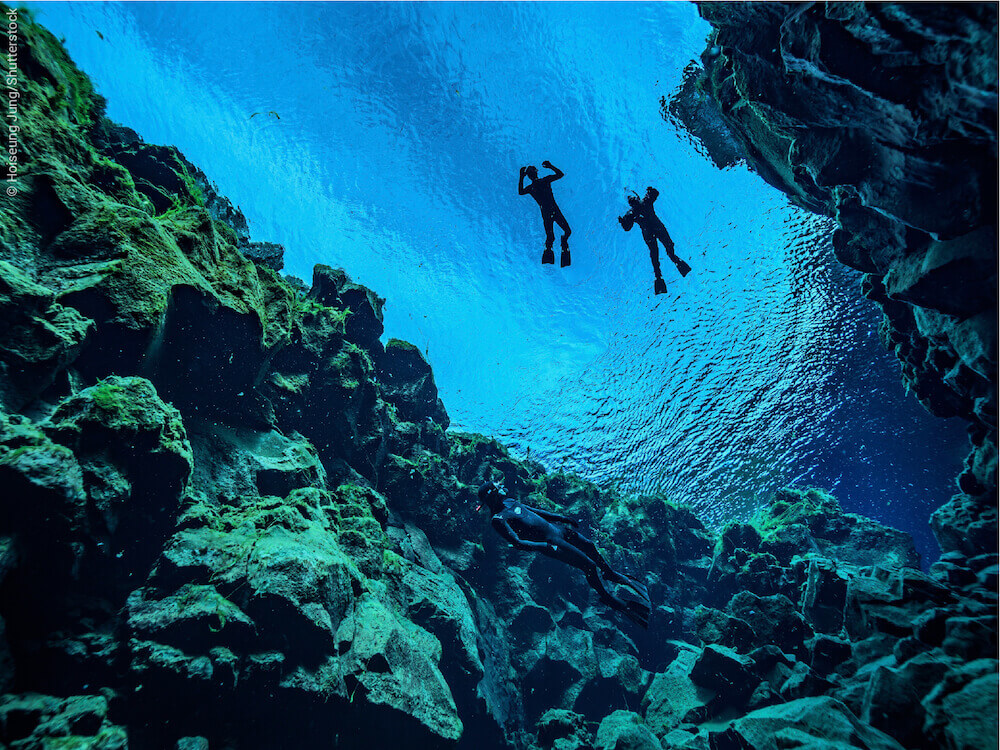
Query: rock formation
{"type": "Point", "coordinates": [884, 117]}
{"type": "Point", "coordinates": [232, 518]}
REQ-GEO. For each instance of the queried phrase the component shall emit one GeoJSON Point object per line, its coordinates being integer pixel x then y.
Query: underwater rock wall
{"type": "Point", "coordinates": [233, 518]}
{"type": "Point", "coordinates": [883, 116]}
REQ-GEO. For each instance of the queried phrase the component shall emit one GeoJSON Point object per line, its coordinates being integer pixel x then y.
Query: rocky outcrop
{"type": "Point", "coordinates": [883, 116]}
{"type": "Point", "coordinates": [233, 518]}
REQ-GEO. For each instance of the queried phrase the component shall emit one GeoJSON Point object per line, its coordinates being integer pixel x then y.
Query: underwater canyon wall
{"type": "Point", "coordinates": [883, 116]}
{"type": "Point", "coordinates": [231, 517]}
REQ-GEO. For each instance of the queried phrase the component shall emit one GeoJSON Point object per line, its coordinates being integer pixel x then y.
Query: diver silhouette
{"type": "Point", "coordinates": [541, 190]}
{"type": "Point", "coordinates": [555, 536]}
{"type": "Point", "coordinates": [641, 212]}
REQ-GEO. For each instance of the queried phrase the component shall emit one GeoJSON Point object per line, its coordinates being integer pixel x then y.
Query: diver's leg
{"type": "Point", "coordinates": [588, 548]}
{"type": "Point", "coordinates": [654, 253]}
{"type": "Point", "coordinates": [571, 555]}
{"type": "Point", "coordinates": [668, 246]}
{"type": "Point", "coordinates": [568, 553]}
{"type": "Point", "coordinates": [550, 236]}
{"type": "Point", "coordinates": [547, 255]}
{"type": "Point", "coordinates": [564, 225]}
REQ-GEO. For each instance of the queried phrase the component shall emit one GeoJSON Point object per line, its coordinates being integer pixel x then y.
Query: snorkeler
{"type": "Point", "coordinates": [541, 190]}
{"type": "Point", "coordinates": [555, 535]}
{"type": "Point", "coordinates": [641, 212]}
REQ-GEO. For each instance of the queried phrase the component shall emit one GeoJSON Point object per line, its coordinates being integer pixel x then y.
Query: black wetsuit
{"type": "Point", "coordinates": [541, 190]}
{"type": "Point", "coordinates": [555, 535]}
{"type": "Point", "coordinates": [652, 230]}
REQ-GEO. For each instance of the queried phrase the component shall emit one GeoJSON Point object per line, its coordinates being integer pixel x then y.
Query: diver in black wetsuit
{"type": "Point", "coordinates": [555, 535]}
{"type": "Point", "coordinates": [541, 190]}
{"type": "Point", "coordinates": [641, 212]}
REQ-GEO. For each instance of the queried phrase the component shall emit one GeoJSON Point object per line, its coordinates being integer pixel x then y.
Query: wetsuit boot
{"type": "Point", "coordinates": [564, 256]}
{"type": "Point", "coordinates": [659, 286]}
{"type": "Point", "coordinates": [548, 256]}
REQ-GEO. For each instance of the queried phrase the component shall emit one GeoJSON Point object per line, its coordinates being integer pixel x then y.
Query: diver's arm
{"type": "Point", "coordinates": [520, 184]}
{"type": "Point", "coordinates": [548, 515]}
{"type": "Point", "coordinates": [503, 529]}
{"type": "Point", "coordinates": [558, 172]}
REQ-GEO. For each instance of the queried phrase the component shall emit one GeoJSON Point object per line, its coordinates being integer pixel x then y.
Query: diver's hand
{"type": "Point", "coordinates": [523, 170]}
{"type": "Point", "coordinates": [547, 164]}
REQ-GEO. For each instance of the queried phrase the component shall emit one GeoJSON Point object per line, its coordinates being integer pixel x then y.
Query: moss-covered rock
{"type": "Point", "coordinates": [407, 382]}
{"type": "Point", "coordinates": [30, 721]}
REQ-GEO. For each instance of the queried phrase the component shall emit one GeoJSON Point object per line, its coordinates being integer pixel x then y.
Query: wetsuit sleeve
{"type": "Point", "coordinates": [503, 529]}
{"type": "Point", "coordinates": [550, 516]}
{"type": "Point", "coordinates": [520, 186]}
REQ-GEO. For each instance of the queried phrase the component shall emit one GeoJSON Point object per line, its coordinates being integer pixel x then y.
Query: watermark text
{"type": "Point", "coordinates": [12, 116]}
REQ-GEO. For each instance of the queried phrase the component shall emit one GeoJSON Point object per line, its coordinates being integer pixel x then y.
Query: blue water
{"type": "Point", "coordinates": [388, 141]}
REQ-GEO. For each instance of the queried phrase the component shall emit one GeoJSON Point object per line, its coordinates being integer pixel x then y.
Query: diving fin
{"type": "Point", "coordinates": [548, 256]}
{"type": "Point", "coordinates": [564, 258]}
{"type": "Point", "coordinates": [659, 286]}
{"type": "Point", "coordinates": [683, 268]}
{"type": "Point", "coordinates": [638, 613]}
{"type": "Point", "coordinates": [637, 586]}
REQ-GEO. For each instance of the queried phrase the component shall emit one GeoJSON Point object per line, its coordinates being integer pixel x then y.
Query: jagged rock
{"type": "Point", "coordinates": [135, 458]}
{"type": "Point", "coordinates": [966, 524]}
{"type": "Point", "coordinates": [31, 721]}
{"type": "Point", "coordinates": [618, 679]}
{"type": "Point", "coordinates": [803, 683]}
{"type": "Point", "coordinates": [826, 652]}
{"type": "Point", "coordinates": [867, 113]}
{"type": "Point", "coordinates": [726, 672]}
{"type": "Point", "coordinates": [269, 254]}
{"type": "Point", "coordinates": [437, 603]}
{"type": "Point", "coordinates": [772, 619]}
{"type": "Point", "coordinates": [333, 287]}
{"type": "Point", "coordinates": [38, 336]}
{"type": "Point", "coordinates": [961, 710]}
{"type": "Point", "coordinates": [322, 385]}
{"type": "Point", "coordinates": [559, 729]}
{"type": "Point", "coordinates": [716, 626]}
{"type": "Point", "coordinates": [44, 481]}
{"type": "Point", "coordinates": [845, 537]}
{"type": "Point", "coordinates": [672, 695]}
{"type": "Point", "coordinates": [407, 382]}
{"type": "Point", "coordinates": [699, 115]}
{"type": "Point", "coordinates": [955, 277]}
{"type": "Point", "coordinates": [393, 663]}
{"type": "Point", "coordinates": [889, 601]}
{"type": "Point", "coordinates": [892, 699]}
{"type": "Point", "coordinates": [625, 730]}
{"type": "Point", "coordinates": [824, 595]}
{"type": "Point", "coordinates": [971, 638]}
{"type": "Point", "coordinates": [807, 723]}
{"type": "Point", "coordinates": [254, 462]}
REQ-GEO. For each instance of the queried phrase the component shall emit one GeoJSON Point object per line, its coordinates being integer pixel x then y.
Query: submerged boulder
{"type": "Point", "coordinates": [808, 723]}
{"type": "Point", "coordinates": [407, 382]}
